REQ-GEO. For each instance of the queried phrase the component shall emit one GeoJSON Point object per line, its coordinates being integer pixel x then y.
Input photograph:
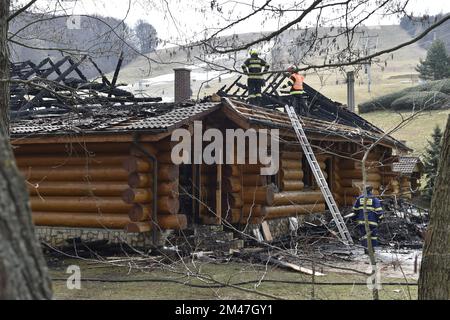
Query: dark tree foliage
{"type": "Point", "coordinates": [436, 66]}
{"type": "Point", "coordinates": [431, 161]}
{"type": "Point", "coordinates": [146, 33]}
{"type": "Point", "coordinates": [434, 279]}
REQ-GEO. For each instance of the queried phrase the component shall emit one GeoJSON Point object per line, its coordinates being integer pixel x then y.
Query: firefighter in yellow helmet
{"type": "Point", "coordinates": [254, 67]}
{"type": "Point", "coordinates": [296, 91]}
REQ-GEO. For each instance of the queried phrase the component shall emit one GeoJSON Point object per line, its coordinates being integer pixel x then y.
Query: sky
{"type": "Point", "coordinates": [180, 20]}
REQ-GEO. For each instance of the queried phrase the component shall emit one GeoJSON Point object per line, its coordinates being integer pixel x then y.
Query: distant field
{"type": "Point", "coordinates": [417, 132]}
{"type": "Point", "coordinates": [390, 73]}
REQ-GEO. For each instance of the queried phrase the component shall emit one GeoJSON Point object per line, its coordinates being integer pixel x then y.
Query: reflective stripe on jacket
{"type": "Point", "coordinates": [253, 67]}
{"type": "Point", "coordinates": [296, 83]}
{"type": "Point", "coordinates": [373, 208]}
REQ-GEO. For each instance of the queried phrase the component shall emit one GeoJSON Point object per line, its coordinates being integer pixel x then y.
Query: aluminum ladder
{"type": "Point", "coordinates": [321, 181]}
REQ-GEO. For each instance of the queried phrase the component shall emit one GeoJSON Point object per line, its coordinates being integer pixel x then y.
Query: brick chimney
{"type": "Point", "coordinates": [182, 84]}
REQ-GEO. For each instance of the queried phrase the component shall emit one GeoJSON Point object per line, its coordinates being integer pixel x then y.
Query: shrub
{"type": "Point", "coordinates": [429, 94]}
{"type": "Point", "coordinates": [420, 100]}
{"type": "Point", "coordinates": [380, 103]}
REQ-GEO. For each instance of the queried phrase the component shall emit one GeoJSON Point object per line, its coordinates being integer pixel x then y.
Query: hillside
{"type": "Point", "coordinates": [397, 73]}
{"type": "Point", "coordinates": [85, 35]}
{"type": "Point", "coordinates": [431, 95]}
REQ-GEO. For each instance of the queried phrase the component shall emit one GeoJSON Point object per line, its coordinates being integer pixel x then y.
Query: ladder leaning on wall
{"type": "Point", "coordinates": [318, 175]}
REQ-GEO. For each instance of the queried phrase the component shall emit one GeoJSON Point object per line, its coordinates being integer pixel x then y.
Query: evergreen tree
{"type": "Point", "coordinates": [147, 36]}
{"type": "Point", "coordinates": [437, 64]}
{"type": "Point", "coordinates": [431, 160]}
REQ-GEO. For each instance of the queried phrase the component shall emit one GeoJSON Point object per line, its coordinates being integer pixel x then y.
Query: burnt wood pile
{"type": "Point", "coordinates": [54, 87]}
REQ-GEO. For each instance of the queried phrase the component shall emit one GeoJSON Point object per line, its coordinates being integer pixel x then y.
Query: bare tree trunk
{"type": "Point", "coordinates": [23, 272]}
{"type": "Point", "coordinates": [434, 280]}
{"type": "Point", "coordinates": [370, 248]}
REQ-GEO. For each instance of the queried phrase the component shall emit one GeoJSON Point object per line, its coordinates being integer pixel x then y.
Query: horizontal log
{"type": "Point", "coordinates": [79, 204]}
{"type": "Point", "coordinates": [251, 168]}
{"type": "Point", "coordinates": [347, 165]}
{"type": "Point", "coordinates": [137, 196]}
{"type": "Point", "coordinates": [322, 165]}
{"type": "Point", "coordinates": [143, 149]}
{"type": "Point", "coordinates": [297, 197]}
{"type": "Point", "coordinates": [140, 212]}
{"type": "Point", "coordinates": [350, 182]}
{"type": "Point", "coordinates": [134, 164]}
{"type": "Point", "coordinates": [165, 157]}
{"type": "Point", "coordinates": [321, 157]}
{"type": "Point", "coordinates": [291, 185]}
{"type": "Point", "coordinates": [286, 211]}
{"type": "Point", "coordinates": [169, 189]}
{"type": "Point", "coordinates": [172, 221]}
{"type": "Point", "coordinates": [138, 227]}
{"type": "Point", "coordinates": [349, 191]}
{"type": "Point", "coordinates": [253, 180]}
{"type": "Point", "coordinates": [231, 184]}
{"type": "Point", "coordinates": [80, 220]}
{"type": "Point", "coordinates": [168, 172]}
{"type": "Point", "coordinates": [54, 160]}
{"type": "Point", "coordinates": [289, 174]}
{"type": "Point", "coordinates": [247, 213]}
{"type": "Point", "coordinates": [62, 188]}
{"type": "Point", "coordinates": [74, 173]}
{"type": "Point", "coordinates": [291, 164]}
{"type": "Point", "coordinates": [259, 195]}
{"type": "Point", "coordinates": [254, 210]}
{"type": "Point", "coordinates": [293, 155]}
{"type": "Point", "coordinates": [140, 180]}
{"type": "Point", "coordinates": [232, 170]}
{"type": "Point", "coordinates": [348, 200]}
{"type": "Point", "coordinates": [78, 149]}
{"type": "Point", "coordinates": [166, 146]}
{"type": "Point", "coordinates": [349, 174]}
{"type": "Point", "coordinates": [234, 200]}
{"type": "Point", "coordinates": [168, 205]}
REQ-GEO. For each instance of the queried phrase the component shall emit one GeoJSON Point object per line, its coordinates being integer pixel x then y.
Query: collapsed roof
{"type": "Point", "coordinates": [56, 87]}
{"type": "Point", "coordinates": [63, 101]}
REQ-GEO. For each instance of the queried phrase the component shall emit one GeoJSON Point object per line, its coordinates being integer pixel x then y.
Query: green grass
{"type": "Point", "coordinates": [233, 272]}
{"type": "Point", "coordinates": [417, 132]}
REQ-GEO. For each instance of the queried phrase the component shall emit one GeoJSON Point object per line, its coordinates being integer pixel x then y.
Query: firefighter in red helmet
{"type": "Point", "coordinates": [296, 91]}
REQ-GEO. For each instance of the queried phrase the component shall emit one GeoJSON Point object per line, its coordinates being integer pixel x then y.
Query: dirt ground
{"type": "Point", "coordinates": [103, 280]}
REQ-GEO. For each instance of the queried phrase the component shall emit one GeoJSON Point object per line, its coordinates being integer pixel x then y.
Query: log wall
{"type": "Point", "coordinates": [93, 185]}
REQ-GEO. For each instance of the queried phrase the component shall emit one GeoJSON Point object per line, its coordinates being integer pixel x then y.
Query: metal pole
{"type": "Point", "coordinates": [351, 90]}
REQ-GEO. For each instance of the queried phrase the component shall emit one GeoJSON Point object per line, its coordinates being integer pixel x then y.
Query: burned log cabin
{"type": "Point", "coordinates": [96, 157]}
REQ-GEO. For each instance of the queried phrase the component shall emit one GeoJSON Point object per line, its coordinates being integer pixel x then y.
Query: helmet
{"type": "Point", "coordinates": [253, 52]}
{"type": "Point", "coordinates": [292, 69]}
{"type": "Point", "coordinates": [369, 188]}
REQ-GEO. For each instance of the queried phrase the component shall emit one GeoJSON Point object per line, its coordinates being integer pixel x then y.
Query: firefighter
{"type": "Point", "coordinates": [374, 215]}
{"type": "Point", "coordinates": [254, 67]}
{"type": "Point", "coordinates": [296, 91]}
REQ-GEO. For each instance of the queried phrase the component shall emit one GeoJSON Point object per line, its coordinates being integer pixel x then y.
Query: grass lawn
{"type": "Point", "coordinates": [233, 272]}
{"type": "Point", "coordinates": [417, 132]}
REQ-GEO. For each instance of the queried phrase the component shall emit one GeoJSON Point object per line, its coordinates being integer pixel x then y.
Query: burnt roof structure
{"type": "Point", "coordinates": [56, 87]}
{"type": "Point", "coordinates": [55, 98]}
{"type": "Point", "coordinates": [322, 108]}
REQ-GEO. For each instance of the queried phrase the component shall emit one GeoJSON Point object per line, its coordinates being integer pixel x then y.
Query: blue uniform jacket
{"type": "Point", "coordinates": [373, 208]}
